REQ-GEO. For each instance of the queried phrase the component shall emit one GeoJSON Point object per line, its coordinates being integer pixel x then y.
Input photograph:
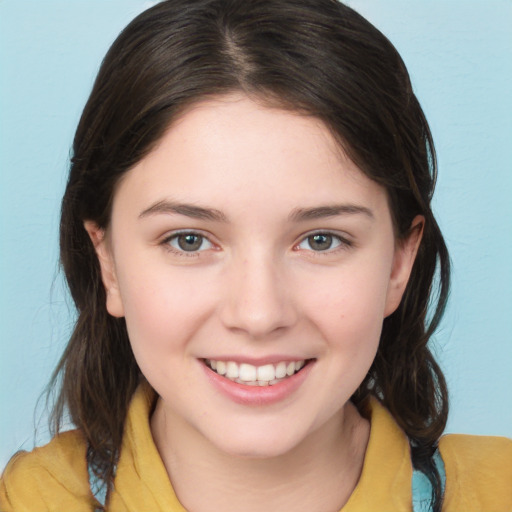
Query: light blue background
{"type": "Point", "coordinates": [459, 54]}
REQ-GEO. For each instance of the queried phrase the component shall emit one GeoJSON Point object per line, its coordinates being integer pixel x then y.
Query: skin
{"type": "Point", "coordinates": [256, 288]}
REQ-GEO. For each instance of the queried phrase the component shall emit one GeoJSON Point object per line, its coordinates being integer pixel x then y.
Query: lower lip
{"type": "Point", "coordinates": [258, 395]}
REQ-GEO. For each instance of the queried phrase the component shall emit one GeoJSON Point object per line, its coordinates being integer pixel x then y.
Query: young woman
{"type": "Point", "coordinates": [247, 235]}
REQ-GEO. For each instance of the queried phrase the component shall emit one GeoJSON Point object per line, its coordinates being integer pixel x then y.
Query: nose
{"type": "Point", "coordinates": [257, 298]}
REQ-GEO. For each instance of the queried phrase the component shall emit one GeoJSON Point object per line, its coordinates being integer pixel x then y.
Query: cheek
{"type": "Point", "coordinates": [348, 307]}
{"type": "Point", "coordinates": [163, 309]}
{"type": "Point", "coordinates": [352, 299]}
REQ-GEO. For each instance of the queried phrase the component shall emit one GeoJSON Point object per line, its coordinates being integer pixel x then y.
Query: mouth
{"type": "Point", "coordinates": [251, 375]}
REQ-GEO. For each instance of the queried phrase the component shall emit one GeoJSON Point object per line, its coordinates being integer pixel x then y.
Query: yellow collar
{"type": "Point", "coordinates": [142, 480]}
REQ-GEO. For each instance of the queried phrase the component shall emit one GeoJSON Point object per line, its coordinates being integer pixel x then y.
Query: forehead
{"type": "Point", "coordinates": [231, 149]}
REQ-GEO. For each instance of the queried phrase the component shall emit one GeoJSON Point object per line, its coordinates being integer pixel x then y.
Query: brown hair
{"type": "Point", "coordinates": [317, 57]}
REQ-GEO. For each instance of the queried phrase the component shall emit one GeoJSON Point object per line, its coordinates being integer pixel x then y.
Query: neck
{"type": "Point", "coordinates": [319, 474]}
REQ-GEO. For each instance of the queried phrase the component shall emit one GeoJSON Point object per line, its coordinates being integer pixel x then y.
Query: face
{"type": "Point", "coordinates": [254, 264]}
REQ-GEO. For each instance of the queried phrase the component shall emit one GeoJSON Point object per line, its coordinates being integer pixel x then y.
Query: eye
{"type": "Point", "coordinates": [188, 242]}
{"type": "Point", "coordinates": [319, 242]}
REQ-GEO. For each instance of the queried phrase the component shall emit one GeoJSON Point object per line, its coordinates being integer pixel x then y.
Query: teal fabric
{"type": "Point", "coordinates": [422, 488]}
{"type": "Point", "coordinates": [99, 489]}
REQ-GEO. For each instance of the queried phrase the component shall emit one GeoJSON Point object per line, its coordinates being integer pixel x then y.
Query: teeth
{"type": "Point", "coordinates": [221, 367]}
{"type": "Point", "coordinates": [249, 375]}
{"type": "Point", "coordinates": [247, 372]}
{"type": "Point", "coordinates": [231, 370]}
{"type": "Point", "coordinates": [267, 372]}
{"type": "Point", "coordinates": [281, 370]}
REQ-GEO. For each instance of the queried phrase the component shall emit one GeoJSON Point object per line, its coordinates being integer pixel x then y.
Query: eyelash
{"type": "Point", "coordinates": [167, 243]}
{"type": "Point", "coordinates": [341, 243]}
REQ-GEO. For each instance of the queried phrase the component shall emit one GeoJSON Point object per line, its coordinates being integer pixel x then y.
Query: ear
{"type": "Point", "coordinates": [403, 261]}
{"type": "Point", "coordinates": [108, 275]}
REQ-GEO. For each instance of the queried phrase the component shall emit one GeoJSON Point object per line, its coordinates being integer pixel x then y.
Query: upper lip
{"type": "Point", "coordinates": [258, 361]}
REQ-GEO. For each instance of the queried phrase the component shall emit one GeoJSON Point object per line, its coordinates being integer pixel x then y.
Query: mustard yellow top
{"type": "Point", "coordinates": [54, 477]}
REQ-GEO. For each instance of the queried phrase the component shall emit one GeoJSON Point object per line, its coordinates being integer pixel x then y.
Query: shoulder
{"type": "Point", "coordinates": [51, 477]}
{"type": "Point", "coordinates": [478, 472]}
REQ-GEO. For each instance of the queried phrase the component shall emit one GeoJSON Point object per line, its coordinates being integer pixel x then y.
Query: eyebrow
{"type": "Point", "coordinates": [189, 210]}
{"type": "Point", "coordinates": [320, 212]}
{"type": "Point", "coordinates": [297, 215]}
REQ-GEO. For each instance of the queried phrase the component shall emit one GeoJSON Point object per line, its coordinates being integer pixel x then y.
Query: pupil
{"type": "Point", "coordinates": [320, 242]}
{"type": "Point", "coordinates": [190, 242]}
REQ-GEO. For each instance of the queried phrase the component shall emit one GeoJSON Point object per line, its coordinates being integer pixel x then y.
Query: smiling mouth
{"type": "Point", "coordinates": [250, 375]}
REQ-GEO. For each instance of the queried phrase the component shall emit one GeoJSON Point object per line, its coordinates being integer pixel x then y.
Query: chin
{"type": "Point", "coordinates": [257, 442]}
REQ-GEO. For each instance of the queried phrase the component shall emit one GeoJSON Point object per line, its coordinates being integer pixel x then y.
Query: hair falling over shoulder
{"type": "Point", "coordinates": [316, 57]}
